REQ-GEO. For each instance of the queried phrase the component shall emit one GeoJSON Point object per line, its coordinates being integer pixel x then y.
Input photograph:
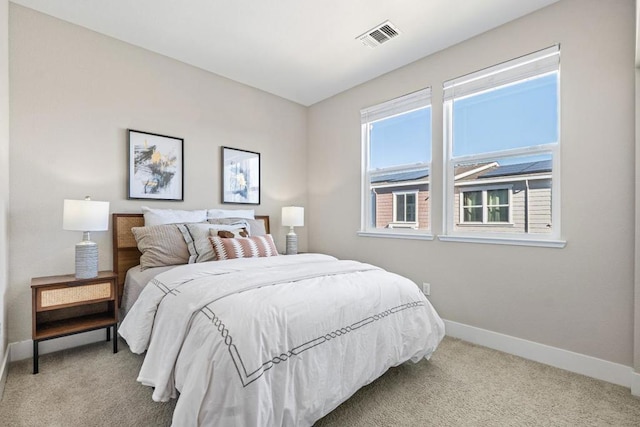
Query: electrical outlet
{"type": "Point", "coordinates": [426, 288]}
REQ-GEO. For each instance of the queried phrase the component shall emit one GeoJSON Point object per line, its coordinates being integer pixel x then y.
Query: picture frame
{"type": "Point", "coordinates": [240, 176]}
{"type": "Point", "coordinates": [156, 166]}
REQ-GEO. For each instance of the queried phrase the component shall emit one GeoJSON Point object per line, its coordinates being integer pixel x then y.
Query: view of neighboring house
{"type": "Point", "coordinates": [505, 198]}
{"type": "Point", "coordinates": [510, 198]}
{"type": "Point", "coordinates": [401, 199]}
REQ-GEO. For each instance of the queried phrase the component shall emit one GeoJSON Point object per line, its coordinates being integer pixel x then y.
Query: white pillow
{"type": "Point", "coordinates": [172, 216]}
{"type": "Point", "coordinates": [230, 213]}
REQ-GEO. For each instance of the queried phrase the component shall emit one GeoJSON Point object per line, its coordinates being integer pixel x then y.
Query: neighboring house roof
{"type": "Point", "coordinates": [519, 169]}
{"type": "Point", "coordinates": [512, 172]}
{"type": "Point", "coordinates": [469, 172]}
{"type": "Point", "coordinates": [472, 171]}
{"type": "Point", "coordinates": [401, 176]}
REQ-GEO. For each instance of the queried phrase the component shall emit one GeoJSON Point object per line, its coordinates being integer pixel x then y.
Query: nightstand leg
{"type": "Point", "coordinates": [115, 338]}
{"type": "Point", "coordinates": [35, 357]}
{"type": "Point", "coordinates": [108, 334]}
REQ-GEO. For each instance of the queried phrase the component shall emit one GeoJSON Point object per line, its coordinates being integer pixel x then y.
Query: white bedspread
{"type": "Point", "coordinates": [277, 341]}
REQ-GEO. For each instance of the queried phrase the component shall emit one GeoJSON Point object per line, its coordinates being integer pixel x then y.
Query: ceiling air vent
{"type": "Point", "coordinates": [378, 35]}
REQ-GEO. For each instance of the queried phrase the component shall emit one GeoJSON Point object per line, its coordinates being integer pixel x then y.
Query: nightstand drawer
{"type": "Point", "coordinates": [68, 295]}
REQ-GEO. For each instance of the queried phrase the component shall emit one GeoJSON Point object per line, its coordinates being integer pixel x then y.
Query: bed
{"type": "Point", "coordinates": [270, 340]}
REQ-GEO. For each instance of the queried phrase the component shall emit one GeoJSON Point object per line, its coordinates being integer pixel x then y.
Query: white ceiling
{"type": "Point", "coordinates": [301, 50]}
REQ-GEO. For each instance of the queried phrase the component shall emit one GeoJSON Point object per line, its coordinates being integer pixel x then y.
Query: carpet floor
{"type": "Point", "coordinates": [462, 385]}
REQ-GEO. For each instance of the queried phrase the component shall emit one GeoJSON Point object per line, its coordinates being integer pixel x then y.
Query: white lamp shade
{"type": "Point", "coordinates": [85, 215]}
{"type": "Point", "coordinates": [292, 216]}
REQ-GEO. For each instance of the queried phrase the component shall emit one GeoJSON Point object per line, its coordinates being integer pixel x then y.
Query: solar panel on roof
{"type": "Point", "coordinates": [401, 176]}
{"type": "Point", "coordinates": [519, 169]}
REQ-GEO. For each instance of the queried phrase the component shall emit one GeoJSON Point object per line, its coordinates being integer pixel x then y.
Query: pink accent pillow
{"type": "Point", "coordinates": [247, 247]}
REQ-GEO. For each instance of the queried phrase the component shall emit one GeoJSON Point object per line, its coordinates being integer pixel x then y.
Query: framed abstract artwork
{"type": "Point", "coordinates": [156, 166]}
{"type": "Point", "coordinates": [240, 176]}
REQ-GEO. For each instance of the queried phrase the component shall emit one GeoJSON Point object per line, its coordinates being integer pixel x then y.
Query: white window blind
{"type": "Point", "coordinates": [403, 104]}
{"type": "Point", "coordinates": [532, 65]}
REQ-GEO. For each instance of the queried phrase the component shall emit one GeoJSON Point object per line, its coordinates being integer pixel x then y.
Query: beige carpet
{"type": "Point", "coordinates": [462, 385]}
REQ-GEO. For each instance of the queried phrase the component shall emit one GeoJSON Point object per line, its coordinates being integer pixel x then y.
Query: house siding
{"type": "Point", "coordinates": [540, 206]}
{"type": "Point", "coordinates": [384, 204]}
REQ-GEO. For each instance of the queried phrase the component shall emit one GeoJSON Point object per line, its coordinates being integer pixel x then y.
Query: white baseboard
{"type": "Point", "coordinates": [4, 369]}
{"type": "Point", "coordinates": [24, 349]}
{"type": "Point", "coordinates": [574, 362]}
{"type": "Point", "coordinates": [635, 383]}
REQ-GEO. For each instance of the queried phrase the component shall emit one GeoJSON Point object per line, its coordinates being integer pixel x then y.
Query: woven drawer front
{"type": "Point", "coordinates": [73, 294]}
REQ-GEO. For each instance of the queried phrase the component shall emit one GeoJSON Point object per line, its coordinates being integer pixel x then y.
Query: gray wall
{"type": "Point", "coordinates": [636, 340]}
{"type": "Point", "coordinates": [579, 298]}
{"type": "Point", "coordinates": [73, 95]}
{"type": "Point", "coordinates": [4, 169]}
{"type": "Point", "coordinates": [636, 361]}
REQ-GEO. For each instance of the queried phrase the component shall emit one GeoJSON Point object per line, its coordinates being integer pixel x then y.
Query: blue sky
{"type": "Point", "coordinates": [400, 140]}
{"type": "Point", "coordinates": [513, 116]}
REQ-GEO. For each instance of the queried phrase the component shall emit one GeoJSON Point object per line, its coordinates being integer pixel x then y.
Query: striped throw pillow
{"type": "Point", "coordinates": [247, 247]}
{"type": "Point", "coordinates": [160, 245]}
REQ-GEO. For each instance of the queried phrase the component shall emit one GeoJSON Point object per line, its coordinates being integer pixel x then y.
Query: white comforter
{"type": "Point", "coordinates": [277, 341]}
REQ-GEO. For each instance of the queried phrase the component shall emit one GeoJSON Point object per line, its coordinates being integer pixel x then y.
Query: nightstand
{"type": "Point", "coordinates": [64, 305]}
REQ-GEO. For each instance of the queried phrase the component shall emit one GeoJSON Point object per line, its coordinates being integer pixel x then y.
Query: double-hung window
{"type": "Point", "coordinates": [396, 160]}
{"type": "Point", "coordinates": [502, 155]}
{"type": "Point", "coordinates": [406, 208]}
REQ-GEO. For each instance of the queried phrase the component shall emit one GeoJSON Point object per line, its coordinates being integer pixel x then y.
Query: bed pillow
{"type": "Point", "coordinates": [255, 227]}
{"type": "Point", "coordinates": [196, 237]}
{"type": "Point", "coordinates": [172, 216]}
{"type": "Point", "coordinates": [161, 245]}
{"type": "Point", "coordinates": [250, 247]}
{"type": "Point", "coordinates": [230, 213]}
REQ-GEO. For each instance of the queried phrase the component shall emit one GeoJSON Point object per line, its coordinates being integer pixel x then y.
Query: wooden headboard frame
{"type": "Point", "coordinates": [125, 248]}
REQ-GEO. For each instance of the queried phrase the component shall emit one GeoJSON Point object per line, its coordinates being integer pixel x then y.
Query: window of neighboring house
{"type": "Point", "coordinates": [502, 155]}
{"type": "Point", "coordinates": [406, 207]}
{"type": "Point", "coordinates": [396, 158]}
{"type": "Point", "coordinates": [485, 206]}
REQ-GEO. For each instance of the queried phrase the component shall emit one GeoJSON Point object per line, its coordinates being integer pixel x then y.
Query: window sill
{"type": "Point", "coordinates": [396, 235]}
{"type": "Point", "coordinates": [514, 241]}
{"type": "Point", "coordinates": [485, 224]}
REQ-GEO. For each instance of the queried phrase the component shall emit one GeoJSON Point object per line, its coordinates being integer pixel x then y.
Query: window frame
{"type": "Point", "coordinates": [420, 99]}
{"type": "Point", "coordinates": [485, 205]}
{"type": "Point", "coordinates": [452, 231]}
{"type": "Point", "coordinates": [395, 206]}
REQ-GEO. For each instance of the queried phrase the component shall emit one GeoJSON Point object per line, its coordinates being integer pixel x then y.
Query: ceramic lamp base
{"type": "Point", "coordinates": [86, 260]}
{"type": "Point", "coordinates": [292, 244]}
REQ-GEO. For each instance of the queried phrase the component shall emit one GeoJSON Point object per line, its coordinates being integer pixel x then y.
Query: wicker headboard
{"type": "Point", "coordinates": [125, 248]}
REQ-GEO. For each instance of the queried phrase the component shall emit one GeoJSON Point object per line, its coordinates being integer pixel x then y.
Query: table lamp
{"type": "Point", "coordinates": [86, 216]}
{"type": "Point", "coordinates": [292, 216]}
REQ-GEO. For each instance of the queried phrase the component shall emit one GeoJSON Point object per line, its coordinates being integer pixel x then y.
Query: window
{"type": "Point", "coordinates": [502, 157]}
{"type": "Point", "coordinates": [396, 147]}
{"type": "Point", "coordinates": [406, 208]}
{"type": "Point", "coordinates": [486, 206]}
{"type": "Point", "coordinates": [497, 205]}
